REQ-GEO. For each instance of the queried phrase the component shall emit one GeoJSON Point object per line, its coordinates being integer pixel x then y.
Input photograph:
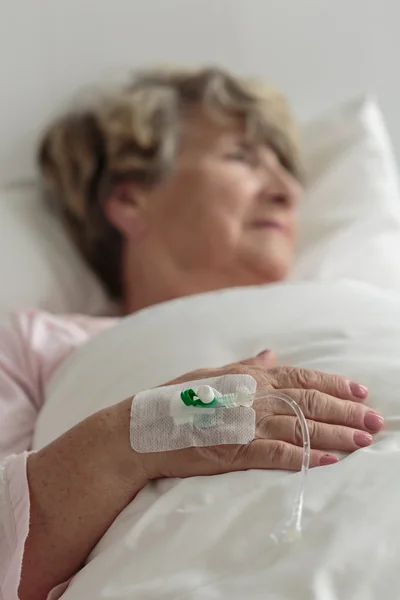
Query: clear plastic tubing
{"type": "Point", "coordinates": [292, 529]}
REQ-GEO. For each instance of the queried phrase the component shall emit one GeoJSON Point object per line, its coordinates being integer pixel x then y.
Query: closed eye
{"type": "Point", "coordinates": [240, 156]}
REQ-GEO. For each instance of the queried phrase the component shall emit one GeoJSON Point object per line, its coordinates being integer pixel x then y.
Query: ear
{"type": "Point", "coordinates": [124, 208]}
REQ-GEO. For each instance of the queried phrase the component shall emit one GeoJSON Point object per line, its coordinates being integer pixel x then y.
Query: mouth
{"type": "Point", "coordinates": [270, 224]}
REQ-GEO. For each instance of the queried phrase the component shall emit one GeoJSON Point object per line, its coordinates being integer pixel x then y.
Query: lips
{"type": "Point", "coordinates": [270, 224]}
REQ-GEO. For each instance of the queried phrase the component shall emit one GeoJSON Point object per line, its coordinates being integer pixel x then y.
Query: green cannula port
{"type": "Point", "coordinates": [189, 398]}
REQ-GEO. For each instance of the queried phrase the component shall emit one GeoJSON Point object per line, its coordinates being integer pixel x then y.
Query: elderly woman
{"type": "Point", "coordinates": [180, 183]}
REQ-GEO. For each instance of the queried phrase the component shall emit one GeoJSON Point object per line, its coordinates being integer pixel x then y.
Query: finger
{"type": "Point", "coordinates": [276, 454]}
{"type": "Point", "coordinates": [322, 435]}
{"type": "Point", "coordinates": [265, 359]}
{"type": "Point", "coordinates": [327, 409]}
{"type": "Point", "coordinates": [334, 385]}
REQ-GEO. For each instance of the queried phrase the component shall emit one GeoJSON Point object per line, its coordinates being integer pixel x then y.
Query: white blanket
{"type": "Point", "coordinates": [208, 538]}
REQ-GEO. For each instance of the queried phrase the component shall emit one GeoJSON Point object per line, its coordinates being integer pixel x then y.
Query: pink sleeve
{"type": "Point", "coordinates": [14, 523]}
{"type": "Point", "coordinates": [20, 397]}
{"type": "Point", "coordinates": [32, 345]}
{"type": "Point", "coordinates": [14, 526]}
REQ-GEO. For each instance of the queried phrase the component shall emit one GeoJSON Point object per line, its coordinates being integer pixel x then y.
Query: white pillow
{"type": "Point", "coordinates": [350, 219]}
{"type": "Point", "coordinates": [350, 222]}
{"type": "Point", "coordinates": [39, 265]}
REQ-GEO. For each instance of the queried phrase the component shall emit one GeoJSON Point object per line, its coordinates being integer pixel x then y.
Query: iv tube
{"type": "Point", "coordinates": [207, 397]}
{"type": "Point", "coordinates": [291, 530]}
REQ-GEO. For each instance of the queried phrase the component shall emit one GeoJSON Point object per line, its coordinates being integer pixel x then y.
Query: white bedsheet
{"type": "Point", "coordinates": [208, 538]}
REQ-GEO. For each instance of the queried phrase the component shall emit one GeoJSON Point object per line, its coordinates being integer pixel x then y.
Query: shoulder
{"type": "Point", "coordinates": [38, 341]}
{"type": "Point", "coordinates": [38, 328]}
{"type": "Point", "coordinates": [32, 345]}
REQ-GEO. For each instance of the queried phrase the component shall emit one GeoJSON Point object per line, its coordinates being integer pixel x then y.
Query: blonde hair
{"type": "Point", "coordinates": [134, 134]}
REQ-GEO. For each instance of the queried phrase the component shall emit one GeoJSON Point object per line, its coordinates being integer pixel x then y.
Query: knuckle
{"type": "Point", "coordinates": [304, 378]}
{"type": "Point", "coordinates": [273, 376]}
{"type": "Point", "coordinates": [243, 455]}
{"type": "Point", "coordinates": [352, 413]}
{"type": "Point", "coordinates": [263, 427]}
{"type": "Point", "coordinates": [262, 407]}
{"type": "Point", "coordinates": [258, 373]}
{"type": "Point", "coordinates": [280, 453]}
{"type": "Point", "coordinates": [219, 459]}
{"type": "Point", "coordinates": [258, 406]}
{"type": "Point", "coordinates": [215, 454]}
{"type": "Point", "coordinates": [338, 384]}
{"type": "Point", "coordinates": [239, 368]}
{"type": "Point", "coordinates": [298, 433]}
{"type": "Point", "coordinates": [313, 402]}
{"type": "Point", "coordinates": [274, 371]}
{"type": "Point", "coordinates": [309, 379]}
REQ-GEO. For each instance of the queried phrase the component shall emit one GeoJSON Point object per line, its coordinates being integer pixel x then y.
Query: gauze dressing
{"type": "Point", "coordinates": [160, 421]}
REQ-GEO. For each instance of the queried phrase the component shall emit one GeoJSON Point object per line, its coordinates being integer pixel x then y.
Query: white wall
{"type": "Point", "coordinates": [320, 51]}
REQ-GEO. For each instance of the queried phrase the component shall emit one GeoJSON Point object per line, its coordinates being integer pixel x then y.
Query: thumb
{"type": "Point", "coordinates": [265, 359]}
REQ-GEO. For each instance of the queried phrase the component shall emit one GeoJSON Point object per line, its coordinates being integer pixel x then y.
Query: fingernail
{"type": "Point", "coordinates": [373, 421]}
{"type": "Point", "coordinates": [358, 390]}
{"type": "Point", "coordinates": [362, 439]}
{"type": "Point", "coordinates": [328, 459]}
{"type": "Point", "coordinates": [264, 353]}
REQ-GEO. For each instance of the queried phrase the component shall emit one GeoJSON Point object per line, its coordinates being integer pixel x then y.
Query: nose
{"type": "Point", "coordinates": [282, 189]}
{"type": "Point", "coordinates": [282, 199]}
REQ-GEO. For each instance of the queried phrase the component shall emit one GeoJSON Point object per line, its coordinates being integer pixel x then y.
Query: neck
{"type": "Point", "coordinates": [154, 283]}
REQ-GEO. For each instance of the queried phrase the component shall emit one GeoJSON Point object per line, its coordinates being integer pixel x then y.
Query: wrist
{"type": "Point", "coordinates": [125, 462]}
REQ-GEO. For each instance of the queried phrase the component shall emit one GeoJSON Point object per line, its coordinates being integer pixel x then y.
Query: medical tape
{"type": "Point", "coordinates": [160, 421]}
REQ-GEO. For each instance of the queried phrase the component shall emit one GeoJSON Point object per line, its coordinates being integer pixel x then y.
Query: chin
{"type": "Point", "coordinates": [269, 263]}
{"type": "Point", "coordinates": [272, 272]}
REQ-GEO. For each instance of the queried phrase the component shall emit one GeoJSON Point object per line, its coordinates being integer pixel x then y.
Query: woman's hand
{"type": "Point", "coordinates": [80, 482]}
{"type": "Point", "coordinates": [332, 405]}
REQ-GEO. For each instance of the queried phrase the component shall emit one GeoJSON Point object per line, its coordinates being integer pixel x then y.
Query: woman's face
{"type": "Point", "coordinates": [227, 209]}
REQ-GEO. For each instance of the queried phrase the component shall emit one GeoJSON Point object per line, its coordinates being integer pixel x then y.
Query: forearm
{"type": "Point", "coordinates": [78, 485]}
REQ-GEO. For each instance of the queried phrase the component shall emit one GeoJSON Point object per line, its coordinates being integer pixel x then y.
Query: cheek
{"type": "Point", "coordinates": [293, 229]}
{"type": "Point", "coordinates": [225, 199]}
{"type": "Point", "coordinates": [209, 200]}
{"type": "Point", "coordinates": [199, 215]}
